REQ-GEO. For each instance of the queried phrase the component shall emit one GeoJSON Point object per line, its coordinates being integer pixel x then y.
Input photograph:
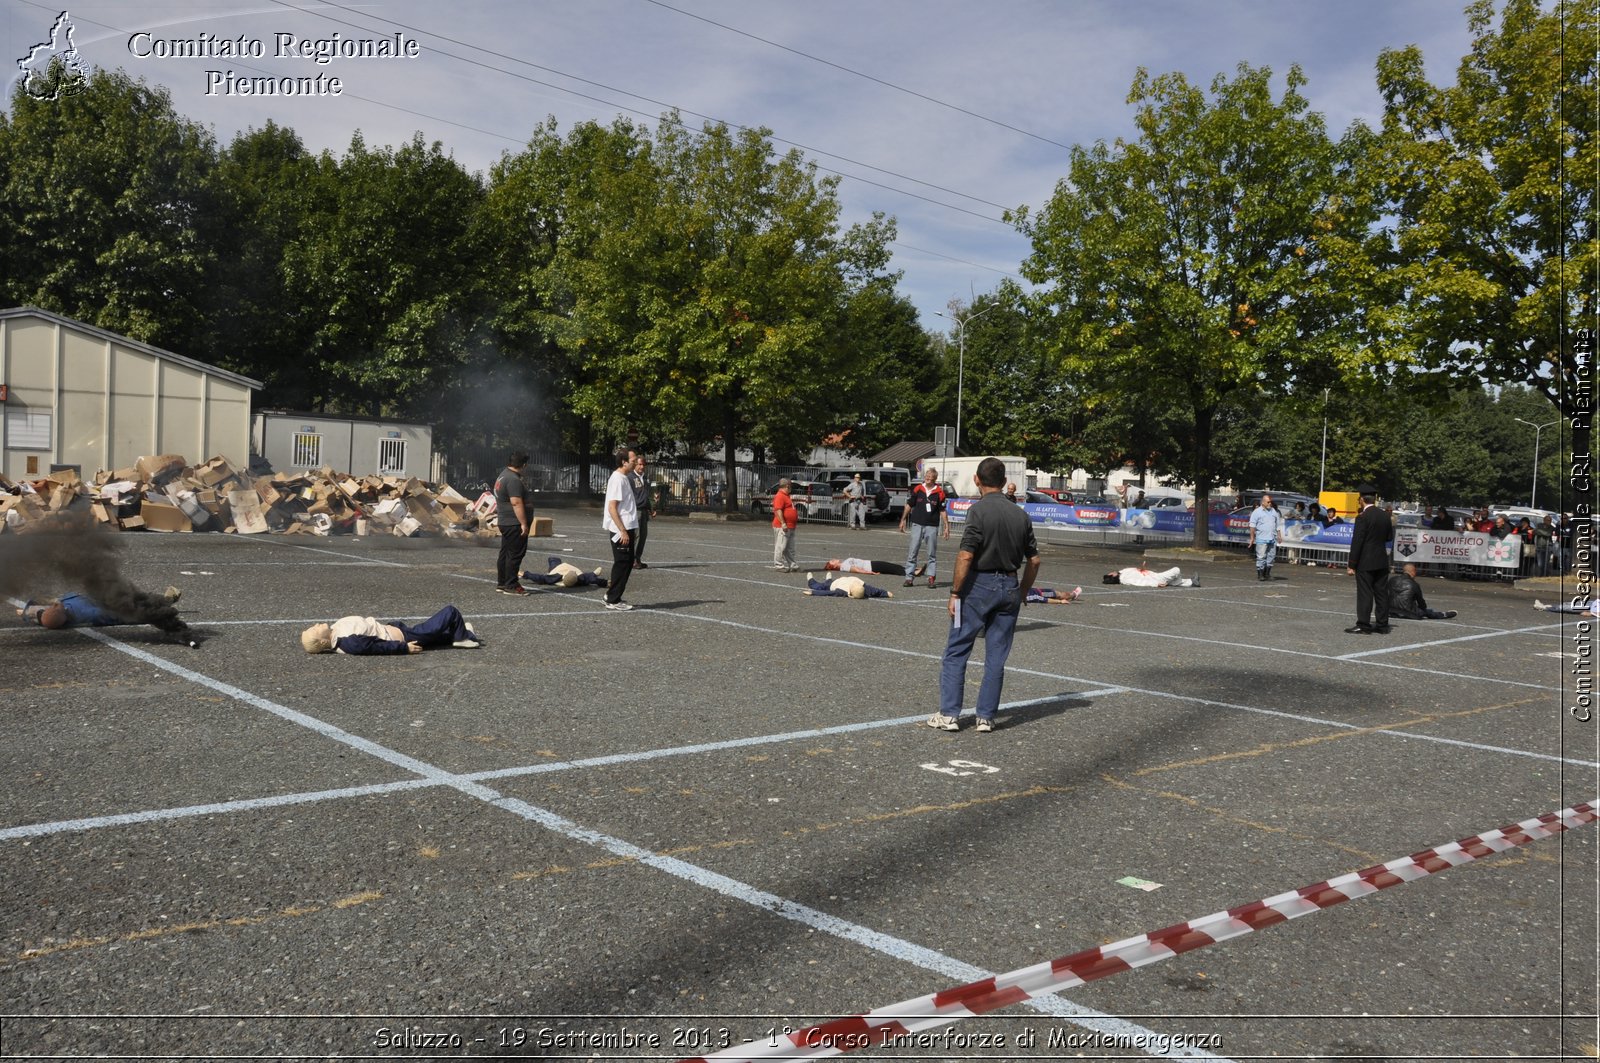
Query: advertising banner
{"type": "Point", "coordinates": [1426, 546]}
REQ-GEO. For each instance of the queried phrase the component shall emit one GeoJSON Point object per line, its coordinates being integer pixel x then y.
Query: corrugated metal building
{"type": "Point", "coordinates": [76, 395]}
{"type": "Point", "coordinates": [361, 446]}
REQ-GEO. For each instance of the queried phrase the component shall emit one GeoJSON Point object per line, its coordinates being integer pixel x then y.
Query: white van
{"type": "Point", "coordinates": [895, 480]}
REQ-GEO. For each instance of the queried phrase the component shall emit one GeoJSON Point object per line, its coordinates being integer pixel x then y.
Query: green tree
{"type": "Point", "coordinates": [383, 266]}
{"type": "Point", "coordinates": [749, 279]}
{"type": "Point", "coordinates": [255, 326]}
{"type": "Point", "coordinates": [105, 197]}
{"type": "Point", "coordinates": [1490, 254]}
{"type": "Point", "coordinates": [1183, 268]}
{"type": "Point", "coordinates": [569, 228]}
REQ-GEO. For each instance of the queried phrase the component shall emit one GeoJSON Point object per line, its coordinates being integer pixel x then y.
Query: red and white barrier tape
{"type": "Point", "coordinates": [884, 1025]}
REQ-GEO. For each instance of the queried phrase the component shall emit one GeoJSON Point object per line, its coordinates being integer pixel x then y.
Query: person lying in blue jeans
{"type": "Point", "coordinates": [362, 635]}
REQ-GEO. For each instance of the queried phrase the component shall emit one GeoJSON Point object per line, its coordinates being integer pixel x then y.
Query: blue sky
{"type": "Point", "coordinates": [948, 111]}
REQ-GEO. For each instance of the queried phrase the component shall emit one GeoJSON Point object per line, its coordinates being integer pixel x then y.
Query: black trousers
{"type": "Point", "coordinates": [513, 547]}
{"type": "Point", "coordinates": [1372, 591]}
{"type": "Point", "coordinates": [621, 566]}
{"type": "Point", "coordinates": [640, 535]}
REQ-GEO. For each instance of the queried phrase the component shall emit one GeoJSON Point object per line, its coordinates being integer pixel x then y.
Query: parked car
{"type": "Point", "coordinates": [877, 497]}
{"type": "Point", "coordinates": [811, 500]}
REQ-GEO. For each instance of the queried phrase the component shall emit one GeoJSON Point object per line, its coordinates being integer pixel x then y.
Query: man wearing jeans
{"type": "Point", "coordinates": [1265, 525]}
{"type": "Point", "coordinates": [986, 596]}
{"type": "Point", "coordinates": [925, 512]}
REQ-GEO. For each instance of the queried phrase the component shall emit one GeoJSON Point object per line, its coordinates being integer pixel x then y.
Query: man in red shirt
{"type": "Point", "coordinates": [784, 519]}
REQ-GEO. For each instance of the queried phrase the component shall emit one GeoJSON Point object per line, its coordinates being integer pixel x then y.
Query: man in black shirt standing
{"type": "Point", "coordinates": [986, 596]}
{"type": "Point", "coordinates": [515, 521]}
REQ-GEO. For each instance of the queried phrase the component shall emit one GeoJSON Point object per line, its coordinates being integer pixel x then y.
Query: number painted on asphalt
{"type": "Point", "coordinates": [956, 767]}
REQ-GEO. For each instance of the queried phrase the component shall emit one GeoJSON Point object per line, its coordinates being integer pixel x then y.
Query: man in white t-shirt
{"type": "Point", "coordinates": [621, 522]}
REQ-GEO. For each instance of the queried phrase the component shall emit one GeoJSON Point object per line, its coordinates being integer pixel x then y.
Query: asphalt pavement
{"type": "Point", "coordinates": [720, 816]}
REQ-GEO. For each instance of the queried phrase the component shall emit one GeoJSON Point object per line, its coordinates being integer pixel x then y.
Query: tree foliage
{"type": "Point", "coordinates": [1490, 255]}
{"type": "Point", "coordinates": [1182, 268]}
{"type": "Point", "coordinates": [105, 202]}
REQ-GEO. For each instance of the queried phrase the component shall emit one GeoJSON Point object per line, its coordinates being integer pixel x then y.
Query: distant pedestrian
{"type": "Point", "coordinates": [1266, 525]}
{"type": "Point", "coordinates": [996, 544]}
{"type": "Point", "coordinates": [1369, 564]}
{"type": "Point", "coordinates": [926, 516]}
{"type": "Point", "coordinates": [621, 522]}
{"type": "Point", "coordinates": [515, 520]}
{"type": "Point", "coordinates": [643, 501]}
{"type": "Point", "coordinates": [855, 500]}
{"type": "Point", "coordinates": [785, 518]}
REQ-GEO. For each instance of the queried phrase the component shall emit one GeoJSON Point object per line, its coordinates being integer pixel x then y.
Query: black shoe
{"type": "Point", "coordinates": [640, 564]}
{"type": "Point", "coordinates": [1384, 630]}
{"type": "Point", "coordinates": [1358, 630]}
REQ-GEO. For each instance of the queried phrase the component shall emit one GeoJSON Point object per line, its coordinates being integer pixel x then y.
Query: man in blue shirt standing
{"type": "Point", "coordinates": [1266, 523]}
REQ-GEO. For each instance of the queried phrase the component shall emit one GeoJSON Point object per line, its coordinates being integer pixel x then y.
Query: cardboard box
{"type": "Point", "coordinates": [160, 468]}
{"type": "Point", "coordinates": [543, 526]}
{"type": "Point", "coordinates": [165, 517]}
{"type": "Point", "coordinates": [409, 526]}
{"type": "Point", "coordinates": [245, 505]}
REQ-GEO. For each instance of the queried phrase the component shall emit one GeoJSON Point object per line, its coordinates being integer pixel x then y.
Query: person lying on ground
{"type": "Point", "coordinates": [563, 574]}
{"type": "Point", "coordinates": [843, 587]}
{"type": "Point", "coordinates": [1592, 607]}
{"type": "Point", "coordinates": [1140, 576]}
{"type": "Point", "coordinates": [359, 635]}
{"type": "Point", "coordinates": [1405, 597]}
{"type": "Point", "coordinates": [870, 568]}
{"type": "Point", "coordinates": [79, 610]}
{"type": "Point", "coordinates": [1048, 596]}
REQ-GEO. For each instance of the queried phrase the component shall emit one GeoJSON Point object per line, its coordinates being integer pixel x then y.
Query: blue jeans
{"type": "Point", "coordinates": [441, 629]}
{"type": "Point", "coordinates": [921, 533]}
{"type": "Point", "coordinates": [1266, 553]}
{"type": "Point", "coordinates": [991, 606]}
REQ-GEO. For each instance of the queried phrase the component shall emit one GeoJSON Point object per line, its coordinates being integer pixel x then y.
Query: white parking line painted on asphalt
{"type": "Point", "coordinates": [260, 541]}
{"type": "Point", "coordinates": [896, 948]}
{"type": "Point", "coordinates": [35, 830]}
{"type": "Point", "coordinates": [1445, 642]}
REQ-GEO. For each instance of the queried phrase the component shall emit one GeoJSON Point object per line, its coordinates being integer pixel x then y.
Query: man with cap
{"type": "Point", "coordinates": [1369, 564]}
{"type": "Point", "coordinates": [855, 494]}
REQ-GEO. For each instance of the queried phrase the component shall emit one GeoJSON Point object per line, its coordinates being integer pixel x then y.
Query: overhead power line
{"type": "Point", "coordinates": [860, 74]}
{"type": "Point", "coordinates": [639, 96]}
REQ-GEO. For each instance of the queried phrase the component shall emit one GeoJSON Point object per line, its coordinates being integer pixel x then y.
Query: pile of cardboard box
{"type": "Point", "coordinates": [165, 493]}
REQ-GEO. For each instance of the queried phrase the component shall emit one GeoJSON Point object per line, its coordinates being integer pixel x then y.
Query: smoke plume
{"type": "Point", "coordinates": [69, 552]}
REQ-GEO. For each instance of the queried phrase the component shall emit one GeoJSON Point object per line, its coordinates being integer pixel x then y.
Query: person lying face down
{"type": "Point", "coordinates": [79, 610]}
{"type": "Point", "coordinates": [857, 564]}
{"type": "Point", "coordinates": [1140, 576]}
{"type": "Point", "coordinates": [562, 574]}
{"type": "Point", "coordinates": [1048, 596]}
{"type": "Point", "coordinates": [843, 587]}
{"type": "Point", "coordinates": [363, 635]}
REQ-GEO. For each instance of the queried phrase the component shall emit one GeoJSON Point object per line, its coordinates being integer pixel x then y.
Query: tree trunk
{"type": "Point", "coordinates": [730, 427]}
{"type": "Point", "coordinates": [585, 451]}
{"type": "Point", "coordinates": [1202, 477]}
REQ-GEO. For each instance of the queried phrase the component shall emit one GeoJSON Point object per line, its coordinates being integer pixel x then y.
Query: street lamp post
{"type": "Point", "coordinates": [1533, 492]}
{"type": "Point", "coordinates": [1322, 477]}
{"type": "Point", "coordinates": [961, 363]}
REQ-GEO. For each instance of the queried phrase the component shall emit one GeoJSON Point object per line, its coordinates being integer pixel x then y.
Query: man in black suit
{"type": "Point", "coordinates": [1369, 564]}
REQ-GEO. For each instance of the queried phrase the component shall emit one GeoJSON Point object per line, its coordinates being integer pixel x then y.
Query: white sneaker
{"type": "Point", "coordinates": [467, 644]}
{"type": "Point", "coordinates": [620, 607]}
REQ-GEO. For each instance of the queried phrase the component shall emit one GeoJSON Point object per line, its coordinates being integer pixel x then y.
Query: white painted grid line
{"type": "Point", "coordinates": [896, 948]}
